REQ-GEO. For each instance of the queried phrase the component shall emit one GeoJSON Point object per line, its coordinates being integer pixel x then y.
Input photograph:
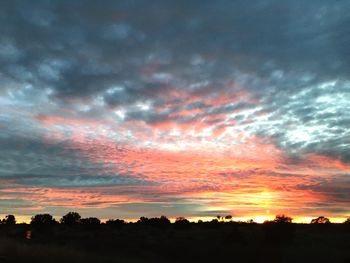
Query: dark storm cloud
{"type": "Point", "coordinates": [82, 48]}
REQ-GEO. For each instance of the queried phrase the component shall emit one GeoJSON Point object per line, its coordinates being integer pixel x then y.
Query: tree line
{"type": "Point", "coordinates": [74, 218]}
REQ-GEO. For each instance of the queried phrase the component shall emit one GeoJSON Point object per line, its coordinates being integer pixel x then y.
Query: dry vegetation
{"type": "Point", "coordinates": [160, 241]}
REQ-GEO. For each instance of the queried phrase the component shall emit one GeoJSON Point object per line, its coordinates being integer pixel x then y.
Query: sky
{"type": "Point", "coordinates": [123, 109]}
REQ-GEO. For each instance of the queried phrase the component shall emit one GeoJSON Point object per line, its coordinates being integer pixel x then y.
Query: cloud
{"type": "Point", "coordinates": [174, 95]}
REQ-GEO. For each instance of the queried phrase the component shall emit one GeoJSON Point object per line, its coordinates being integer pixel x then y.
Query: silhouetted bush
{"type": "Point", "coordinates": [143, 220]}
{"type": "Point", "coordinates": [115, 222]}
{"type": "Point", "coordinates": [228, 217]}
{"type": "Point", "coordinates": [182, 223]}
{"type": "Point", "coordinates": [162, 221]}
{"type": "Point", "coordinates": [72, 218]}
{"type": "Point", "coordinates": [320, 220]}
{"type": "Point", "coordinates": [346, 225]}
{"type": "Point", "coordinates": [9, 220]}
{"type": "Point", "coordinates": [42, 219]}
{"type": "Point", "coordinates": [201, 243]}
{"type": "Point", "coordinates": [280, 230]}
{"type": "Point", "coordinates": [282, 219]}
{"type": "Point", "coordinates": [214, 222]}
{"type": "Point", "coordinates": [92, 221]}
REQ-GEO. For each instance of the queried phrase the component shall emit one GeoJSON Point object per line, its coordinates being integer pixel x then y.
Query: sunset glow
{"type": "Point", "coordinates": [197, 113]}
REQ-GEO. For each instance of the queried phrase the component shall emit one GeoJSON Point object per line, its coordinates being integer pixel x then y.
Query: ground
{"type": "Point", "coordinates": [205, 242]}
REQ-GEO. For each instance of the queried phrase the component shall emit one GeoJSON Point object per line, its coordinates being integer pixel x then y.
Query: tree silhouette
{"type": "Point", "coordinates": [92, 221]}
{"type": "Point", "coordinates": [280, 230]}
{"type": "Point", "coordinates": [143, 220]}
{"type": "Point", "coordinates": [250, 221]}
{"type": "Point", "coordinates": [9, 220]}
{"type": "Point", "coordinates": [154, 221]}
{"type": "Point", "coordinates": [228, 217]}
{"type": "Point", "coordinates": [115, 222]}
{"type": "Point", "coordinates": [182, 223]}
{"type": "Point", "coordinates": [282, 219]}
{"type": "Point", "coordinates": [72, 218]}
{"type": "Point", "coordinates": [42, 219]}
{"type": "Point", "coordinates": [159, 222]}
{"type": "Point", "coordinates": [320, 220]}
{"type": "Point", "coordinates": [214, 221]}
{"type": "Point", "coordinates": [347, 221]}
{"type": "Point", "coordinates": [164, 220]}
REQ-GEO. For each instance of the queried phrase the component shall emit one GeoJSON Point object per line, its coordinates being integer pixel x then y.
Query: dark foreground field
{"type": "Point", "coordinates": [203, 242]}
